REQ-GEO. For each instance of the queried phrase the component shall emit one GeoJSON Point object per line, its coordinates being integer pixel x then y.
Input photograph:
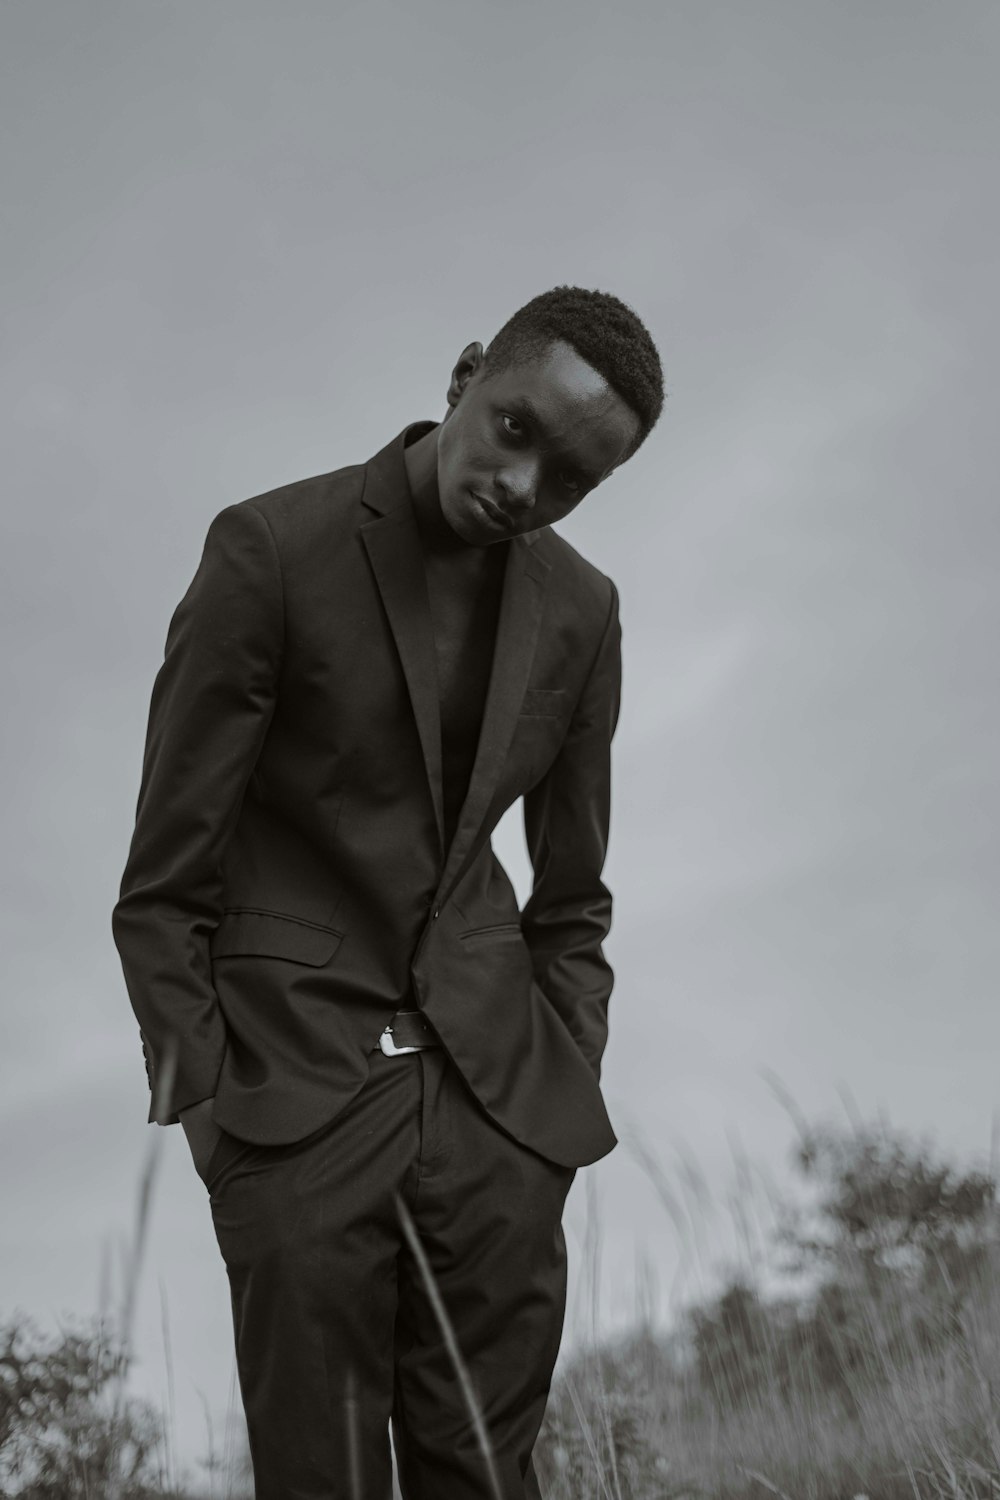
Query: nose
{"type": "Point", "coordinates": [518, 484]}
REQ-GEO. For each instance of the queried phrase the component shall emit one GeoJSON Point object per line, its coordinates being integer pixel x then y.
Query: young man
{"type": "Point", "coordinates": [329, 968]}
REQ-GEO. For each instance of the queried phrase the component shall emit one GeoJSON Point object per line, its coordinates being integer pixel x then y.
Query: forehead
{"type": "Point", "coordinates": [569, 406]}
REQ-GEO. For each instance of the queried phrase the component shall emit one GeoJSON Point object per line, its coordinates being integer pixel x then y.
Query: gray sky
{"type": "Point", "coordinates": [245, 243]}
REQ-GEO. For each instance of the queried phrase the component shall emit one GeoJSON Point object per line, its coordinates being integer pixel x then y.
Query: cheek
{"type": "Point", "coordinates": [460, 448]}
{"type": "Point", "coordinates": [482, 431]}
{"type": "Point", "coordinates": [450, 463]}
{"type": "Point", "coordinates": [553, 508]}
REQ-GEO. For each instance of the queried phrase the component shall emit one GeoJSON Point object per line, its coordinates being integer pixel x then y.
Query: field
{"type": "Point", "coordinates": [870, 1365]}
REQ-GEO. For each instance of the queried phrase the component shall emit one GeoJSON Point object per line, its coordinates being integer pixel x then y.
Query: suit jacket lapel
{"type": "Point", "coordinates": [392, 541]}
{"type": "Point", "coordinates": [521, 607]}
{"type": "Point", "coordinates": [393, 545]}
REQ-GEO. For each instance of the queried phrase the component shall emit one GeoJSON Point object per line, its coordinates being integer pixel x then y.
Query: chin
{"type": "Point", "coordinates": [475, 538]}
{"type": "Point", "coordinates": [455, 524]}
{"type": "Point", "coordinates": [463, 525]}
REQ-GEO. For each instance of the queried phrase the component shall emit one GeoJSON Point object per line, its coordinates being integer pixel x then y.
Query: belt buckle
{"type": "Point", "coordinates": [389, 1047]}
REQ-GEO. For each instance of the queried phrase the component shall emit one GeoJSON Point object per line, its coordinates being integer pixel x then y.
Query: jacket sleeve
{"type": "Point", "coordinates": [212, 701]}
{"type": "Point", "coordinates": [566, 821]}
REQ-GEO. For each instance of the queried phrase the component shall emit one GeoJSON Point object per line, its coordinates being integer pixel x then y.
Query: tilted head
{"type": "Point", "coordinates": [567, 390]}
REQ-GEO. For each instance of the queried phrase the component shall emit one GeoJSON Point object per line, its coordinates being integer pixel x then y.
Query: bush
{"type": "Point", "coordinates": [880, 1381]}
{"type": "Point", "coordinates": [67, 1430]}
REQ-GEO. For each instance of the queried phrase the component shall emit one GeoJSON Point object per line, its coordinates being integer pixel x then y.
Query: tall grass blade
{"type": "Point", "coordinates": [352, 1418]}
{"type": "Point", "coordinates": [451, 1344]}
{"type": "Point", "coordinates": [133, 1259]}
{"type": "Point", "coordinates": [767, 1484]}
{"type": "Point", "coordinates": [171, 1415]}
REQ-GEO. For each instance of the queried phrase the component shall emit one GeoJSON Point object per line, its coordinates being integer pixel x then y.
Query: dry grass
{"type": "Point", "coordinates": [877, 1374]}
{"type": "Point", "coordinates": [634, 1423]}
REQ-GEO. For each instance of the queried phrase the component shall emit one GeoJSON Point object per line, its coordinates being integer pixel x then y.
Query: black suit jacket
{"type": "Point", "coordinates": [287, 887]}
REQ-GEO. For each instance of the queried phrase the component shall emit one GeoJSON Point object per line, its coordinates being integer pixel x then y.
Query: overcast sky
{"type": "Point", "coordinates": [244, 243]}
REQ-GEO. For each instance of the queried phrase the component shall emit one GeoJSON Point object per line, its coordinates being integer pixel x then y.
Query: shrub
{"type": "Point", "coordinates": [66, 1428]}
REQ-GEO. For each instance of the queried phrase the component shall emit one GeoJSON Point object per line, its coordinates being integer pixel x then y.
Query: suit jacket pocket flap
{"type": "Point", "coordinates": [544, 703]}
{"type": "Point", "coordinates": [272, 936]}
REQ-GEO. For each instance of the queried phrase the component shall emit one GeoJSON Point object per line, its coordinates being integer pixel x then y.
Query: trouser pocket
{"type": "Point", "coordinates": [227, 1150]}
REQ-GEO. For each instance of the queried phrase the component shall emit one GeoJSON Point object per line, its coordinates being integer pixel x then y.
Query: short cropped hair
{"type": "Point", "coordinates": [603, 330]}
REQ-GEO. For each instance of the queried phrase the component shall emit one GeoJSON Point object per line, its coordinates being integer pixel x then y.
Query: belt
{"type": "Point", "coordinates": [408, 1031]}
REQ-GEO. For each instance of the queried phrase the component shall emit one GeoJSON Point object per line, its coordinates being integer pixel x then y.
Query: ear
{"type": "Point", "coordinates": [469, 363]}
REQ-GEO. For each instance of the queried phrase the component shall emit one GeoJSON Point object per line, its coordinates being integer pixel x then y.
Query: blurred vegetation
{"type": "Point", "coordinates": [880, 1380]}
{"type": "Point", "coordinates": [66, 1429]}
{"type": "Point", "coordinates": [70, 1431]}
{"type": "Point", "coordinates": [877, 1375]}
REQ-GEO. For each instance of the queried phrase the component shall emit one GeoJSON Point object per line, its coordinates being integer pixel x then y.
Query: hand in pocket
{"type": "Point", "coordinates": [203, 1135]}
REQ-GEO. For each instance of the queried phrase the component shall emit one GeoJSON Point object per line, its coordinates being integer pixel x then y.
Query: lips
{"type": "Point", "coordinates": [493, 512]}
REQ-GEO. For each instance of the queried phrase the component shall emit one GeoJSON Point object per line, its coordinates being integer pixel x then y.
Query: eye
{"type": "Point", "coordinates": [512, 426]}
{"type": "Point", "coordinates": [569, 480]}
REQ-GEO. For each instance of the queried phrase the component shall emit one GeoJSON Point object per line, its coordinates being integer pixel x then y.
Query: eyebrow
{"type": "Point", "coordinates": [522, 406]}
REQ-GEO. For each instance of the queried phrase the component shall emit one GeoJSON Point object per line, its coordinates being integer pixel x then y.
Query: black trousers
{"type": "Point", "coordinates": [335, 1332]}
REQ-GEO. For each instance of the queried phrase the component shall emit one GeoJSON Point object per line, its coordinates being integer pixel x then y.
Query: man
{"type": "Point", "coordinates": [331, 975]}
